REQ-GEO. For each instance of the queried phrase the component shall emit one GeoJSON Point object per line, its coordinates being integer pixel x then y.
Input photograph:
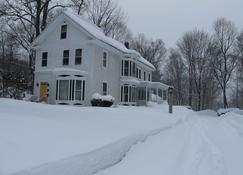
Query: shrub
{"type": "Point", "coordinates": [103, 101]}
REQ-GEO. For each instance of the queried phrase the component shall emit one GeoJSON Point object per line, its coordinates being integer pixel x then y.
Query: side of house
{"type": "Point", "coordinates": [74, 60]}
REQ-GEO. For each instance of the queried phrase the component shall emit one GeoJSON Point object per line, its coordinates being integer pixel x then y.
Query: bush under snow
{"type": "Point", "coordinates": [102, 100]}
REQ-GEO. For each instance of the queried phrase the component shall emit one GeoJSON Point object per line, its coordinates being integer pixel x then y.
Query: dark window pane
{"type": "Point", "coordinates": [57, 90]}
{"type": "Point", "coordinates": [126, 68]}
{"type": "Point", "coordinates": [64, 31]}
{"type": "Point", "coordinates": [83, 90]}
{"type": "Point", "coordinates": [104, 88]}
{"type": "Point", "coordinates": [104, 59]}
{"type": "Point", "coordinates": [65, 57]}
{"type": "Point", "coordinates": [44, 59]}
{"type": "Point", "coordinates": [121, 93]}
{"type": "Point", "coordinates": [125, 93]}
{"type": "Point", "coordinates": [122, 68]}
{"type": "Point", "coordinates": [78, 56]}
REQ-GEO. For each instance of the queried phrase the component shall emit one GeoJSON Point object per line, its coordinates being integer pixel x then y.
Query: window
{"type": "Point", "coordinates": [70, 90]}
{"type": "Point", "coordinates": [125, 93]}
{"type": "Point", "coordinates": [44, 59]}
{"type": "Point", "coordinates": [104, 88]}
{"type": "Point", "coordinates": [139, 74]}
{"type": "Point", "coordinates": [126, 68]}
{"type": "Point", "coordinates": [128, 93]}
{"type": "Point", "coordinates": [64, 31]}
{"type": "Point", "coordinates": [144, 76]}
{"type": "Point", "coordinates": [65, 57]}
{"type": "Point", "coordinates": [164, 95]}
{"type": "Point", "coordinates": [104, 59]}
{"type": "Point", "coordinates": [133, 69]}
{"type": "Point", "coordinates": [78, 56]}
{"type": "Point", "coordinates": [149, 77]}
{"type": "Point", "coordinates": [78, 90]}
{"type": "Point", "coordinates": [63, 89]}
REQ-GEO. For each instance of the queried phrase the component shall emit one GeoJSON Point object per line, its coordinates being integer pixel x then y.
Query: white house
{"type": "Point", "coordinates": [74, 59]}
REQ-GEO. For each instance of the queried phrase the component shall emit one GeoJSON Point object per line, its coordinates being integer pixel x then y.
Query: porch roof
{"type": "Point", "coordinates": [158, 85]}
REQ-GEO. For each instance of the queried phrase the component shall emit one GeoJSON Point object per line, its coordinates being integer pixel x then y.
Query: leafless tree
{"type": "Point", "coordinates": [225, 57]}
{"type": "Point", "coordinates": [195, 47]}
{"type": "Point", "coordinates": [175, 75]}
{"type": "Point", "coordinates": [152, 50]}
{"type": "Point", "coordinates": [27, 19]}
{"type": "Point", "coordinates": [107, 15]}
{"type": "Point", "coordinates": [79, 5]}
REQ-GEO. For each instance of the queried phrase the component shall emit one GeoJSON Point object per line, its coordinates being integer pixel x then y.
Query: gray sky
{"type": "Point", "coordinates": [169, 19]}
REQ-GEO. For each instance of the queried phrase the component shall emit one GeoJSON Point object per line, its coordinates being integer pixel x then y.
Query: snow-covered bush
{"type": "Point", "coordinates": [102, 100]}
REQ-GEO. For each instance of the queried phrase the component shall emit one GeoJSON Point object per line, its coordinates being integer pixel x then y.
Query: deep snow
{"type": "Point", "coordinates": [44, 139]}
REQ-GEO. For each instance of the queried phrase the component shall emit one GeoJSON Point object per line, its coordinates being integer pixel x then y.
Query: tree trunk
{"type": "Point", "coordinates": [190, 89]}
{"type": "Point", "coordinates": [225, 97]}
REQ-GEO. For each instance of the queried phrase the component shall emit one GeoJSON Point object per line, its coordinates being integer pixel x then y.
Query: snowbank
{"type": "Point", "coordinates": [92, 162]}
{"type": "Point", "coordinates": [33, 134]}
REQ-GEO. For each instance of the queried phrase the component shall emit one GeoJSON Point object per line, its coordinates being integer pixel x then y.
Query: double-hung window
{"type": "Point", "coordinates": [104, 59]}
{"type": "Point", "coordinates": [44, 59]}
{"type": "Point", "coordinates": [78, 56]}
{"type": "Point", "coordinates": [63, 32]}
{"type": "Point", "coordinates": [65, 57]}
{"type": "Point", "coordinates": [104, 88]}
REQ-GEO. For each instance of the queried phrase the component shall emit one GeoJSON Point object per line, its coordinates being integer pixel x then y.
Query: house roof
{"type": "Point", "coordinates": [98, 34]}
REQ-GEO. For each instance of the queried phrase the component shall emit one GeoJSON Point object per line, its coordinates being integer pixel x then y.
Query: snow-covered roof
{"type": "Point", "coordinates": [99, 34]}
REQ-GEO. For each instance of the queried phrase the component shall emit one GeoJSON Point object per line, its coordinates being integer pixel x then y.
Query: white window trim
{"type": "Point", "coordinates": [70, 78]}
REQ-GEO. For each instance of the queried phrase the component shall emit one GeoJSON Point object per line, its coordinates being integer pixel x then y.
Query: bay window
{"type": "Point", "coordinates": [128, 68]}
{"type": "Point", "coordinates": [70, 90]}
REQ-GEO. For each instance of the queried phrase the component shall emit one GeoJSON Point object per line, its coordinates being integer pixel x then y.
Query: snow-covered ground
{"type": "Point", "coordinates": [40, 139]}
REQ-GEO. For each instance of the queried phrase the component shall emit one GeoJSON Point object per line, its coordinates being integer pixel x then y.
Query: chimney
{"type": "Point", "coordinates": [127, 45]}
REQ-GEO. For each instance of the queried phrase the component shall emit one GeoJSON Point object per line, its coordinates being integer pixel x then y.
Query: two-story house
{"type": "Point", "coordinates": [74, 59]}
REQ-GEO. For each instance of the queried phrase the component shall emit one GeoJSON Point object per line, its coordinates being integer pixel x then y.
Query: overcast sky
{"type": "Point", "coordinates": [169, 19]}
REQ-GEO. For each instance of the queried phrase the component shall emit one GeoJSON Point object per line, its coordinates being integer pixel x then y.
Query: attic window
{"type": "Point", "coordinates": [64, 31]}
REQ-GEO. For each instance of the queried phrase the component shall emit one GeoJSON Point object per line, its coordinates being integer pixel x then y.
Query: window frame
{"type": "Point", "coordinates": [105, 59]}
{"type": "Point", "coordinates": [63, 34]}
{"type": "Point", "coordinates": [71, 90]}
{"type": "Point", "coordinates": [44, 60]}
{"type": "Point", "coordinates": [106, 85]}
{"type": "Point", "coordinates": [79, 62]}
{"type": "Point", "coordinates": [65, 58]}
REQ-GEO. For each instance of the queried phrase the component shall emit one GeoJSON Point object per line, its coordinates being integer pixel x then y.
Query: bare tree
{"type": "Point", "coordinates": [186, 45]}
{"type": "Point", "coordinates": [27, 19]}
{"type": "Point", "coordinates": [175, 74]}
{"type": "Point", "coordinates": [224, 58]}
{"type": "Point", "coordinates": [107, 15]}
{"type": "Point", "coordinates": [79, 6]}
{"type": "Point", "coordinates": [195, 47]}
{"type": "Point", "coordinates": [152, 50]}
{"type": "Point", "coordinates": [239, 72]}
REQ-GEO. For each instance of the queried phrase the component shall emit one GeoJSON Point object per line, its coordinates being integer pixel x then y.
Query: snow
{"type": "Point", "coordinates": [46, 139]}
{"type": "Point", "coordinates": [103, 97]}
{"type": "Point", "coordinates": [99, 34]}
{"type": "Point", "coordinates": [61, 70]}
{"type": "Point", "coordinates": [32, 134]}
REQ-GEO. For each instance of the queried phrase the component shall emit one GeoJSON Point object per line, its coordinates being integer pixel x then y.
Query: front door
{"type": "Point", "coordinates": [43, 91]}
